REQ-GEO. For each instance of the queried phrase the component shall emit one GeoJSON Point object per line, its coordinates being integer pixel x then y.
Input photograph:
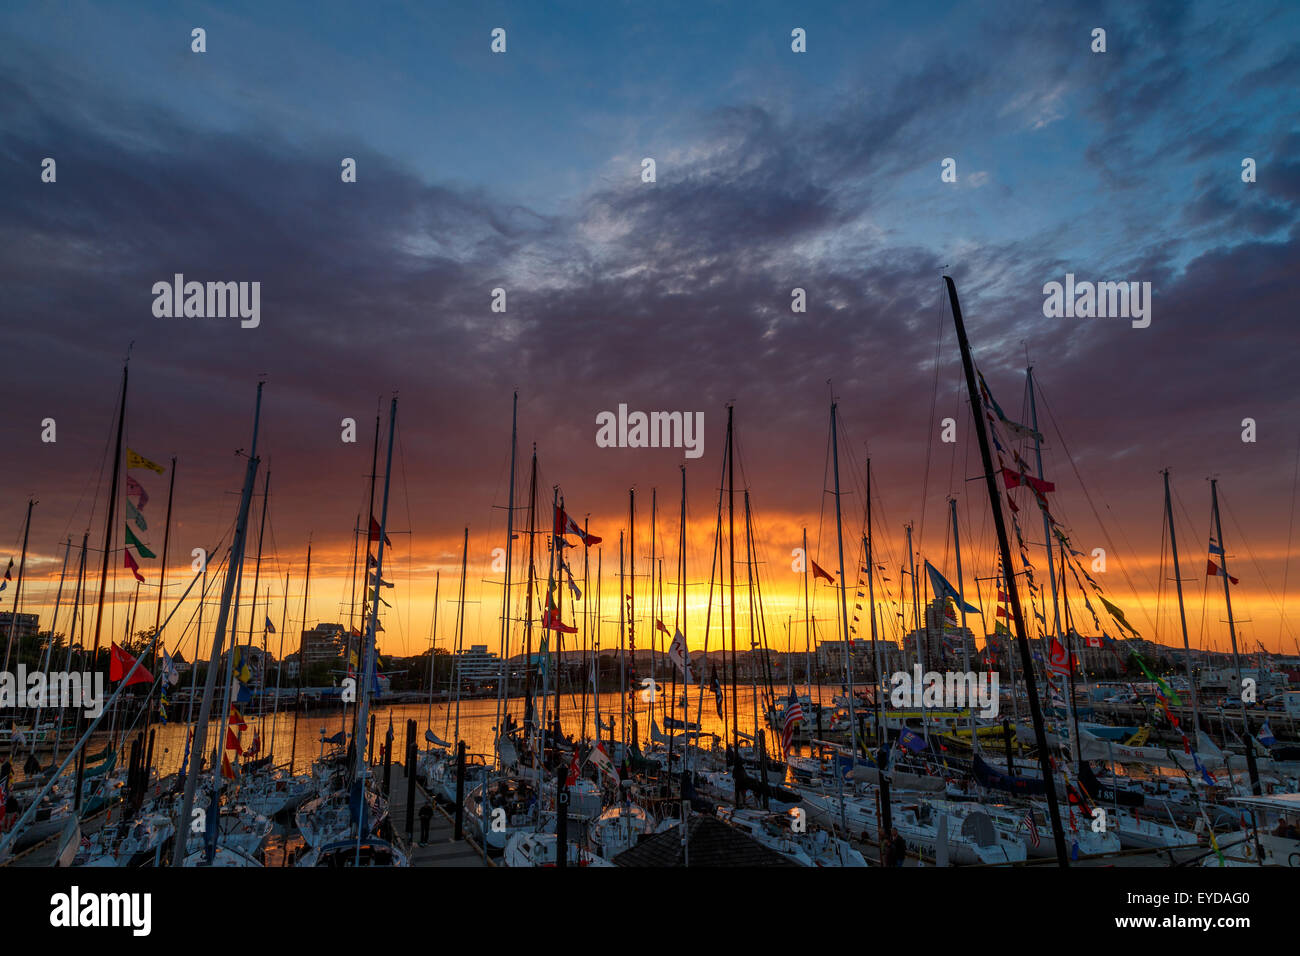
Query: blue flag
{"type": "Point", "coordinates": [939, 584]}
{"type": "Point", "coordinates": [911, 741]}
{"type": "Point", "coordinates": [1266, 735]}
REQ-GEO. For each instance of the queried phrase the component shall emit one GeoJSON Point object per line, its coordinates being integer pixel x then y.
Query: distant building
{"type": "Point", "coordinates": [27, 627]}
{"type": "Point", "coordinates": [324, 642]}
{"type": "Point", "coordinates": [478, 664]}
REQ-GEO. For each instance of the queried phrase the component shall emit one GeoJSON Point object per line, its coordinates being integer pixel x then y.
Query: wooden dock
{"type": "Point", "coordinates": [441, 850]}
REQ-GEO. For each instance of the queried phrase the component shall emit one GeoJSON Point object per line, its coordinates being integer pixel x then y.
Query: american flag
{"type": "Point", "coordinates": [793, 717]}
{"type": "Point", "coordinates": [1032, 827]}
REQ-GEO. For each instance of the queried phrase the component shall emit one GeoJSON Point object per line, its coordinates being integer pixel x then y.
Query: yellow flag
{"type": "Point", "coordinates": [134, 460]}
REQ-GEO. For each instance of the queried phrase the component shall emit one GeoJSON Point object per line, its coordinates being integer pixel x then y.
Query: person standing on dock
{"type": "Point", "coordinates": [426, 817]}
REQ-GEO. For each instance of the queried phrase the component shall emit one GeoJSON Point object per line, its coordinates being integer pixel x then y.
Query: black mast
{"type": "Point", "coordinates": [103, 579]}
{"type": "Point", "coordinates": [1004, 549]}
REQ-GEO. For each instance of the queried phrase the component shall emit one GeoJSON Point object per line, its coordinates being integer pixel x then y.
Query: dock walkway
{"type": "Point", "coordinates": [441, 850]}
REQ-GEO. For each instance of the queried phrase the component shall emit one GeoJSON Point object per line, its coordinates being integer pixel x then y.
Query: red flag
{"type": "Point", "coordinates": [1014, 479]}
{"type": "Point", "coordinates": [1212, 570]}
{"type": "Point", "coordinates": [551, 621]}
{"type": "Point", "coordinates": [232, 742]}
{"type": "Point", "coordinates": [129, 562]}
{"type": "Point", "coordinates": [120, 663]}
{"type": "Point", "coordinates": [1058, 658]}
{"type": "Point", "coordinates": [237, 719]}
{"type": "Point", "coordinates": [660, 624]}
{"type": "Point", "coordinates": [566, 525]}
{"type": "Point", "coordinates": [573, 770]}
{"type": "Point", "coordinates": [227, 771]}
{"type": "Point", "coordinates": [374, 533]}
{"type": "Point", "coordinates": [819, 573]}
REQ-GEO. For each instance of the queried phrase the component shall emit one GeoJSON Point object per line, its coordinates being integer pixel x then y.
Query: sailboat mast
{"type": "Point", "coordinates": [807, 623]}
{"type": "Point", "coordinates": [460, 629]}
{"type": "Point", "coordinates": [528, 604]}
{"type": "Point", "coordinates": [1051, 566]}
{"type": "Point", "coordinates": [965, 645]}
{"type": "Point", "coordinates": [103, 577]}
{"type": "Point", "coordinates": [368, 655]}
{"type": "Point", "coordinates": [167, 537]}
{"type": "Point", "coordinates": [844, 596]}
{"type": "Point", "coordinates": [656, 612]}
{"type": "Point", "coordinates": [1182, 614]}
{"type": "Point", "coordinates": [257, 576]}
{"type": "Point", "coordinates": [622, 646]}
{"type": "Point", "coordinates": [731, 563]}
{"type": "Point", "coordinates": [679, 618]}
{"type": "Point", "coordinates": [503, 681]}
{"type": "Point", "coordinates": [218, 639]}
{"type": "Point", "coordinates": [279, 667]}
{"type": "Point", "coordinates": [631, 600]}
{"type": "Point", "coordinates": [1232, 633]}
{"type": "Point", "coordinates": [433, 649]}
{"type": "Point", "coordinates": [868, 549]}
{"type": "Point", "coordinates": [919, 628]}
{"type": "Point", "coordinates": [1013, 595]}
{"type": "Point", "coordinates": [302, 662]}
{"type": "Point", "coordinates": [18, 588]}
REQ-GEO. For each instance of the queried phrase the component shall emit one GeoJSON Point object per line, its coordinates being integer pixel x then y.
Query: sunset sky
{"type": "Point", "coordinates": [775, 170]}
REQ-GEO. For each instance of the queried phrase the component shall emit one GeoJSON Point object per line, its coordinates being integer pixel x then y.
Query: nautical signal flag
{"type": "Point", "coordinates": [133, 514]}
{"type": "Point", "coordinates": [940, 586]}
{"type": "Point", "coordinates": [551, 619]}
{"type": "Point", "coordinates": [134, 487]}
{"type": "Point", "coordinates": [1215, 547]}
{"type": "Point", "coordinates": [566, 525]}
{"type": "Point", "coordinates": [9, 575]}
{"type": "Point", "coordinates": [1213, 570]}
{"type": "Point", "coordinates": [375, 532]}
{"type": "Point", "coordinates": [1014, 479]}
{"type": "Point", "coordinates": [911, 740]}
{"type": "Point", "coordinates": [1058, 660]}
{"type": "Point", "coordinates": [270, 628]}
{"type": "Point", "coordinates": [819, 573]}
{"type": "Point", "coordinates": [133, 542]}
{"type": "Point", "coordinates": [129, 562]}
{"type": "Point", "coordinates": [136, 460]}
{"type": "Point", "coordinates": [120, 664]}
